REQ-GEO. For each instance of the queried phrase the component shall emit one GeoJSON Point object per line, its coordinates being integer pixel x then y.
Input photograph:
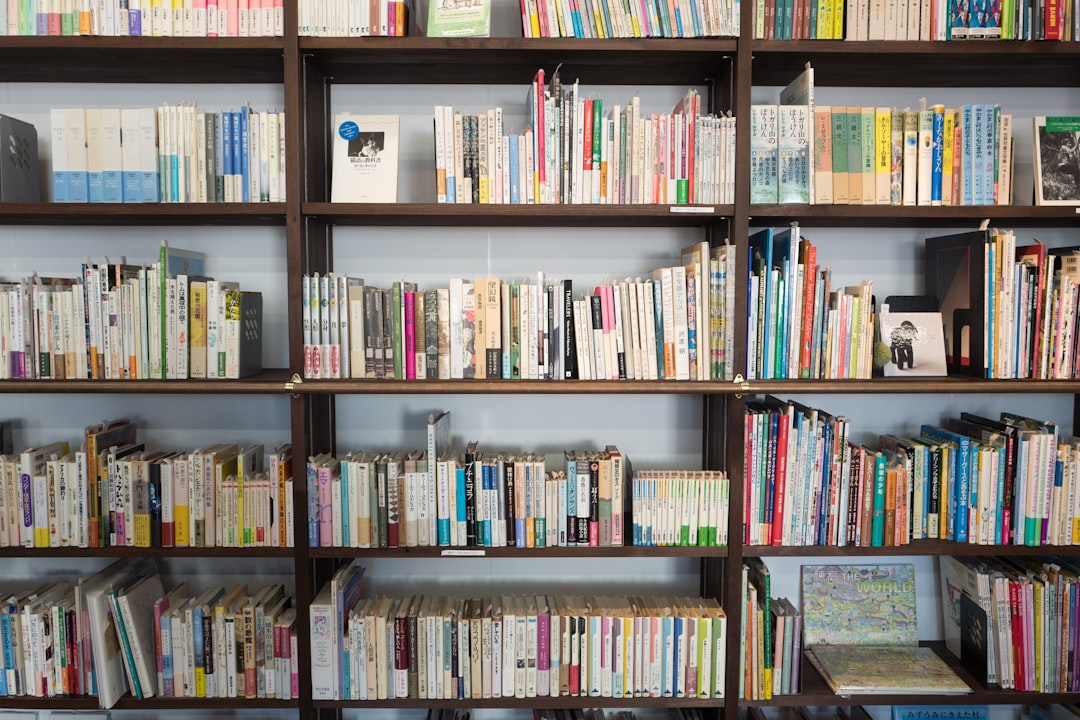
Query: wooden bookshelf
{"type": "Point", "coordinates": [142, 214]}
{"type": "Point", "coordinates": [268, 382]}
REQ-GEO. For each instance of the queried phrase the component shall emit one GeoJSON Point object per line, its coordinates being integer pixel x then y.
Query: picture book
{"type": "Point", "coordinates": [916, 344]}
{"type": "Point", "coordinates": [459, 18]}
{"type": "Point", "coordinates": [859, 605]}
{"type": "Point", "coordinates": [1057, 160]}
{"type": "Point", "coordinates": [874, 669]}
{"type": "Point", "coordinates": [940, 712]}
{"type": "Point", "coordinates": [365, 158]}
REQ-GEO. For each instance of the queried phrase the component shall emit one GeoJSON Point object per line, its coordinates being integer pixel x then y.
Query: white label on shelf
{"type": "Point", "coordinates": [463, 553]}
{"type": "Point", "coordinates": [703, 209]}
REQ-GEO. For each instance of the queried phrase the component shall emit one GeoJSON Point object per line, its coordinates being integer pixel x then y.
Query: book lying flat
{"type": "Point", "coordinates": [892, 669]}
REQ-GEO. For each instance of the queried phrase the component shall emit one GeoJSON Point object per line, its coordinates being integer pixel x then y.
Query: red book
{"type": "Point", "coordinates": [780, 487]}
{"type": "Point", "coordinates": [410, 336]}
{"type": "Point", "coordinates": [574, 661]}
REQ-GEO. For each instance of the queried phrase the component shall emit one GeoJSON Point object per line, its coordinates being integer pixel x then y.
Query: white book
{"type": "Point", "coordinates": [365, 158]}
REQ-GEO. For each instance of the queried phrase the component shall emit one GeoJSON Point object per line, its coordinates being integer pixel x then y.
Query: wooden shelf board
{"type": "Point", "coordinates": [269, 382]}
{"type": "Point", "coordinates": [164, 552]}
{"type": "Point", "coordinates": [174, 703]}
{"type": "Point", "coordinates": [957, 385]}
{"type": "Point", "coordinates": [935, 64]}
{"type": "Point", "coordinates": [583, 553]}
{"type": "Point", "coordinates": [142, 214]}
{"type": "Point", "coordinates": [918, 547]}
{"type": "Point", "coordinates": [908, 216]}
{"type": "Point", "coordinates": [425, 214]}
{"type": "Point", "coordinates": [516, 60]}
{"type": "Point", "coordinates": [533, 702]}
{"type": "Point", "coordinates": [141, 59]}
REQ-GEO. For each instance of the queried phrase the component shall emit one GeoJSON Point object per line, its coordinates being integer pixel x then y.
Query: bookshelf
{"type": "Point", "coordinates": [312, 234]}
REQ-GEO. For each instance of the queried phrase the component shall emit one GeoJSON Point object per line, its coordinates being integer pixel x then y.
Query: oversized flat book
{"type": "Point", "coordinates": [885, 669]}
{"type": "Point", "coordinates": [365, 158]}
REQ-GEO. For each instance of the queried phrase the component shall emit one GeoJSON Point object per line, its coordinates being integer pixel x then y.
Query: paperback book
{"type": "Point", "coordinates": [365, 158]}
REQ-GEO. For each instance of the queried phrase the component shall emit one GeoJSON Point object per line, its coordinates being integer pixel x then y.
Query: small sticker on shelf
{"type": "Point", "coordinates": [463, 553]}
{"type": "Point", "coordinates": [704, 209]}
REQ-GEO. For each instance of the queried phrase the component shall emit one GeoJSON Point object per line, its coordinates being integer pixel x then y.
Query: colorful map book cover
{"type": "Point", "coordinates": [859, 605]}
{"type": "Point", "coordinates": [865, 669]}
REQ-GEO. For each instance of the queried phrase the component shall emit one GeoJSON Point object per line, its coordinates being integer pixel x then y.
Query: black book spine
{"type": "Point", "coordinates": [155, 504]}
{"type": "Point", "coordinates": [470, 495]}
{"type": "Point", "coordinates": [570, 367]}
{"type": "Point", "coordinates": [511, 512]}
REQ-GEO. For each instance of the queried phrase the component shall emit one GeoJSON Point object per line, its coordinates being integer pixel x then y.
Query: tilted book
{"type": "Point", "coordinates": [365, 158]}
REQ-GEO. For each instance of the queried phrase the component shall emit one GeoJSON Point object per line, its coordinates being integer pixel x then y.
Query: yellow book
{"type": "Point", "coordinates": [838, 19]}
{"type": "Point", "coordinates": [947, 159]}
{"type": "Point", "coordinates": [197, 329]}
{"type": "Point", "coordinates": [882, 154]}
{"type": "Point", "coordinates": [182, 499]}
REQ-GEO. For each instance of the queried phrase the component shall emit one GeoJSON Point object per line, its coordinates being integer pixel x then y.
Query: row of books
{"type": "Point", "coordinates": [915, 20]}
{"type": "Point", "coordinates": [119, 321]}
{"type": "Point", "coordinates": [771, 652]}
{"type": "Point", "coordinates": [226, 643]}
{"type": "Point", "coordinates": [93, 637]}
{"type": "Point", "coordinates": [798, 326]}
{"type": "Point", "coordinates": [354, 18]}
{"type": "Point", "coordinates": [1009, 620]}
{"type": "Point", "coordinates": [174, 153]}
{"type": "Point", "coordinates": [975, 480]}
{"type": "Point", "coordinates": [179, 18]}
{"type": "Point", "coordinates": [630, 18]}
{"type": "Point", "coordinates": [681, 508]}
{"type": "Point", "coordinates": [572, 151]}
{"type": "Point", "coordinates": [601, 714]}
{"type": "Point", "coordinates": [443, 497]}
{"type": "Point", "coordinates": [1026, 297]}
{"type": "Point", "coordinates": [121, 495]}
{"type": "Point", "coordinates": [881, 156]}
{"type": "Point", "coordinates": [675, 325]}
{"type": "Point", "coordinates": [430, 646]}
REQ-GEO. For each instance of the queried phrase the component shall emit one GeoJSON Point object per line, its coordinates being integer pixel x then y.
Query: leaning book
{"type": "Point", "coordinates": [888, 669]}
{"type": "Point", "coordinates": [1057, 160]}
{"type": "Point", "coordinates": [365, 158]}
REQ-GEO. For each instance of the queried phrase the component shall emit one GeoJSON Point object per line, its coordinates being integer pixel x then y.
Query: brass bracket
{"type": "Point", "coordinates": [292, 382]}
{"type": "Point", "coordinates": [743, 385]}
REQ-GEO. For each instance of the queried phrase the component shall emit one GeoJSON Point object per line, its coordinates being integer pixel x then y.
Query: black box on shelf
{"type": "Point", "coordinates": [19, 177]}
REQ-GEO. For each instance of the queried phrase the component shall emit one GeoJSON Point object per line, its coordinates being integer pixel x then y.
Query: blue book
{"type": "Point", "coordinates": [967, 117]}
{"type": "Point", "coordinates": [991, 117]}
{"type": "Point", "coordinates": [937, 156]}
{"type": "Point", "coordinates": [348, 592]}
{"type": "Point", "coordinates": [313, 503]}
{"type": "Point", "coordinates": [571, 504]}
{"type": "Point", "coordinates": [490, 488]}
{"type": "Point", "coordinates": [515, 189]}
{"type": "Point", "coordinates": [9, 658]}
{"type": "Point", "coordinates": [575, 16]}
{"type": "Point", "coordinates": [166, 654]}
{"type": "Point", "coordinates": [135, 23]}
{"type": "Point", "coordinates": [677, 629]}
{"type": "Point", "coordinates": [198, 643]}
{"type": "Point", "coordinates": [234, 148]}
{"type": "Point", "coordinates": [978, 149]}
{"type": "Point", "coordinates": [461, 519]}
{"type": "Point", "coordinates": [245, 155]}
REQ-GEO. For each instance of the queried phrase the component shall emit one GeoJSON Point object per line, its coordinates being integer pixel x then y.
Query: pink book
{"type": "Point", "coordinates": [232, 18]}
{"type": "Point", "coordinates": [607, 307]}
{"type": "Point", "coordinates": [543, 651]}
{"type": "Point", "coordinates": [54, 22]}
{"type": "Point", "coordinates": [294, 678]}
{"type": "Point", "coordinates": [541, 148]}
{"type": "Point", "coordinates": [410, 336]}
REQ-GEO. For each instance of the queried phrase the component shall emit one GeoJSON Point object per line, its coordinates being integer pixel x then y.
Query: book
{"type": "Point", "coordinates": [365, 167]}
{"type": "Point", "coordinates": [1057, 160]}
{"type": "Point", "coordinates": [859, 605]}
{"type": "Point", "coordinates": [458, 18]}
{"type": "Point", "coordinates": [894, 670]}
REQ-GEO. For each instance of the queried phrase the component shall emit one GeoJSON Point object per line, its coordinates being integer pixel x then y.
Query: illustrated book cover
{"type": "Point", "coordinates": [1057, 160]}
{"type": "Point", "coordinates": [365, 158]}
{"type": "Point", "coordinates": [859, 605]}
{"type": "Point", "coordinates": [916, 343]}
{"type": "Point", "coordinates": [873, 669]}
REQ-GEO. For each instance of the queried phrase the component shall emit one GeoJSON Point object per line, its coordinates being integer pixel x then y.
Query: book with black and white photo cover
{"type": "Point", "coordinates": [365, 158]}
{"type": "Point", "coordinates": [1057, 160]}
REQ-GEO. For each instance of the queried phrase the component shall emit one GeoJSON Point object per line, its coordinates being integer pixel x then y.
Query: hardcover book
{"type": "Point", "coordinates": [365, 158]}
{"type": "Point", "coordinates": [872, 669]}
{"type": "Point", "coordinates": [1057, 160]}
{"type": "Point", "coordinates": [859, 605]}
